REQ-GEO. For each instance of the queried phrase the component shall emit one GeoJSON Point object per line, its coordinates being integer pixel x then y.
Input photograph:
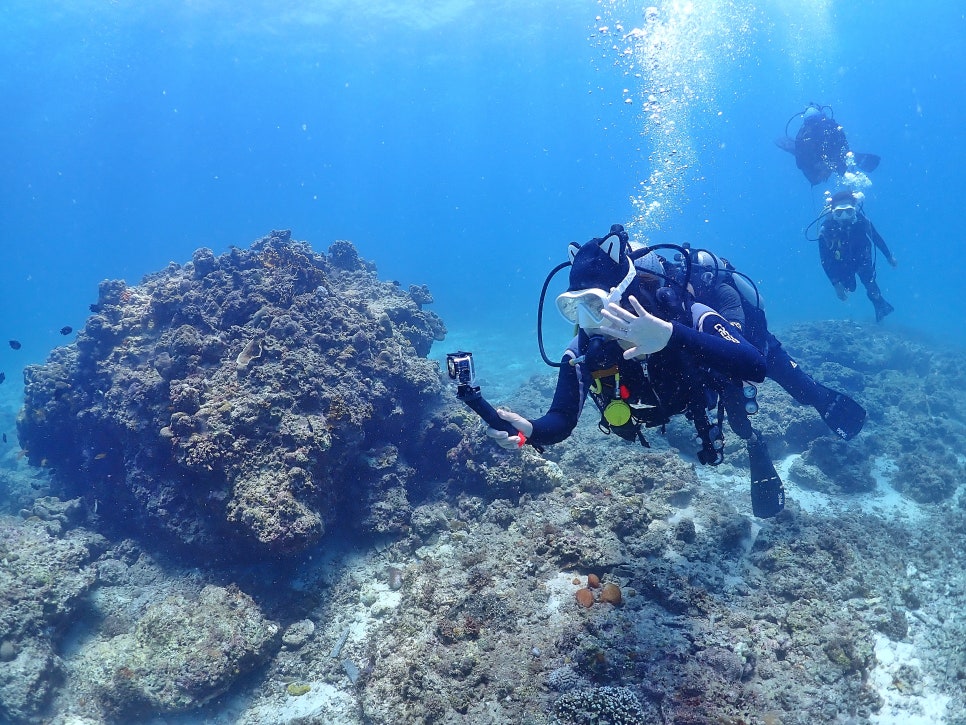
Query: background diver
{"type": "Point", "coordinates": [643, 353]}
{"type": "Point", "coordinates": [846, 241]}
{"type": "Point", "coordinates": [716, 283]}
{"type": "Point", "coordinates": [820, 146]}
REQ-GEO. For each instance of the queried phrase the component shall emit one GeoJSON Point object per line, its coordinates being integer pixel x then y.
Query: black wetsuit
{"type": "Point", "coordinates": [846, 251]}
{"type": "Point", "coordinates": [667, 383]}
{"type": "Point", "coordinates": [780, 367]}
{"type": "Point", "coordinates": [821, 148]}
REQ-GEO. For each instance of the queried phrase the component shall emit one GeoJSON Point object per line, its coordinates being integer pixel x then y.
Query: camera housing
{"type": "Point", "coordinates": [461, 369]}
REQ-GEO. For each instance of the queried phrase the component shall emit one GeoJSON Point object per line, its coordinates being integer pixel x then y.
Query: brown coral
{"type": "Point", "coordinates": [611, 593]}
{"type": "Point", "coordinates": [585, 597]}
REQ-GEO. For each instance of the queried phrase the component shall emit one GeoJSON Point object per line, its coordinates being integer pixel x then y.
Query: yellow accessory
{"type": "Point", "coordinates": [617, 412]}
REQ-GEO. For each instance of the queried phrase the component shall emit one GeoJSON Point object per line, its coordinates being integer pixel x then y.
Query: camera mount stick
{"type": "Point", "coordinates": [471, 395]}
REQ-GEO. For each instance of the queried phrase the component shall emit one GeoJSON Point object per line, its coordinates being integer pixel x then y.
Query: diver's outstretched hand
{"type": "Point", "coordinates": [644, 332]}
{"type": "Point", "coordinates": [504, 439]}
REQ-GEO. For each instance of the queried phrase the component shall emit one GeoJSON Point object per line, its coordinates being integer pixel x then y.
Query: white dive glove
{"type": "Point", "coordinates": [644, 332]}
{"type": "Point", "coordinates": [504, 439]}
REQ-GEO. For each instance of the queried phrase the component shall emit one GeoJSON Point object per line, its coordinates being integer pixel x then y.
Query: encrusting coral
{"type": "Point", "coordinates": [230, 400]}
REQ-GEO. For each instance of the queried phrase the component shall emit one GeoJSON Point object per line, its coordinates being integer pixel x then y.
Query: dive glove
{"type": "Point", "coordinates": [644, 332]}
{"type": "Point", "coordinates": [504, 439]}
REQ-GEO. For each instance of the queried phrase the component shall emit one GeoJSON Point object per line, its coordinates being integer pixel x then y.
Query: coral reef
{"type": "Point", "coordinates": [44, 575]}
{"type": "Point", "coordinates": [459, 603]}
{"type": "Point", "coordinates": [615, 705]}
{"type": "Point", "coordinates": [181, 653]}
{"type": "Point", "coordinates": [251, 398]}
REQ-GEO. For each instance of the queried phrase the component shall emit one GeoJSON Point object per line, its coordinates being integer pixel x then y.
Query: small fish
{"type": "Point", "coordinates": [100, 456]}
{"type": "Point", "coordinates": [3, 376]}
{"type": "Point", "coordinates": [4, 437]}
{"type": "Point", "coordinates": [66, 330]}
{"type": "Point", "coordinates": [15, 344]}
{"type": "Point", "coordinates": [96, 307]}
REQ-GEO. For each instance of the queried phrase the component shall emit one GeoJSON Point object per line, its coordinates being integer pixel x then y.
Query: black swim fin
{"type": "Point", "coordinates": [844, 416]}
{"type": "Point", "coordinates": [767, 490]}
{"type": "Point", "coordinates": [882, 309]}
{"type": "Point", "coordinates": [786, 144]}
{"type": "Point", "coordinates": [867, 162]}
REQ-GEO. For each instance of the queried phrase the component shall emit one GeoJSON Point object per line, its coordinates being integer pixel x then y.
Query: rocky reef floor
{"type": "Point", "coordinates": [637, 588]}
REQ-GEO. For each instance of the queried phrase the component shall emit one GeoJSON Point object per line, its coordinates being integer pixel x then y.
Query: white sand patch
{"type": "Point", "coordinates": [322, 703]}
{"type": "Point", "coordinates": [560, 593]}
{"type": "Point", "coordinates": [688, 512]}
{"type": "Point", "coordinates": [907, 701]}
{"type": "Point", "coordinates": [884, 501]}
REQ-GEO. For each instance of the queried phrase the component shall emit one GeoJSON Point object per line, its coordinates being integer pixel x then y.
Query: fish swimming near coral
{"type": "Point", "coordinates": [66, 330]}
{"type": "Point", "coordinates": [15, 344]}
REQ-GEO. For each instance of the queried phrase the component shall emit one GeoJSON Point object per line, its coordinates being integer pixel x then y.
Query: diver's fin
{"type": "Point", "coordinates": [882, 308]}
{"type": "Point", "coordinates": [844, 416]}
{"type": "Point", "coordinates": [867, 162]}
{"type": "Point", "coordinates": [767, 491]}
{"type": "Point", "coordinates": [786, 144]}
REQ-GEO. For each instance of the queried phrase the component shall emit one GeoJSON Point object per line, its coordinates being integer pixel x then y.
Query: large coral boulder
{"type": "Point", "coordinates": [183, 652]}
{"type": "Point", "coordinates": [45, 575]}
{"type": "Point", "coordinates": [252, 398]}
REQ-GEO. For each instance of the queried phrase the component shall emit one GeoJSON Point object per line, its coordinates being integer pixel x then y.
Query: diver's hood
{"type": "Point", "coordinates": [598, 264]}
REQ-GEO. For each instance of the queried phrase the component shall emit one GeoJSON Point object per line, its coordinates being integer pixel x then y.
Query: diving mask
{"type": "Point", "coordinates": [844, 213]}
{"type": "Point", "coordinates": [585, 307]}
{"type": "Point", "coordinates": [705, 277]}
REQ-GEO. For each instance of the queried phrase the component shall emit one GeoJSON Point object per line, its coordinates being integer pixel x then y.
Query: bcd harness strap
{"type": "Point", "coordinates": [617, 415]}
{"type": "Point", "coordinates": [634, 416]}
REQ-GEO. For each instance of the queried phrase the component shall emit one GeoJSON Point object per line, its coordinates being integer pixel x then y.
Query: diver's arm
{"type": "Point", "coordinates": [559, 422]}
{"type": "Point", "coordinates": [716, 344]}
{"type": "Point", "coordinates": [825, 251]}
{"type": "Point", "coordinates": [878, 241]}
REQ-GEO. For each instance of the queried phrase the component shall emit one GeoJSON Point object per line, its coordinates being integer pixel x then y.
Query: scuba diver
{"type": "Point", "coordinates": [845, 244]}
{"type": "Point", "coordinates": [716, 283]}
{"type": "Point", "coordinates": [643, 352]}
{"type": "Point", "coordinates": [820, 146]}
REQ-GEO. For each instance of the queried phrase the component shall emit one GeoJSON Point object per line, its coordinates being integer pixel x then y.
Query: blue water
{"type": "Point", "coordinates": [463, 145]}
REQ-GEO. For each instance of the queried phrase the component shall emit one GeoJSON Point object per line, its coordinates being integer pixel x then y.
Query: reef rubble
{"type": "Point", "coordinates": [597, 581]}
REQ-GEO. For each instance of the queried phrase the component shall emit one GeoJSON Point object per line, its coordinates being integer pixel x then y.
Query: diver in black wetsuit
{"type": "Point", "coordinates": [718, 284]}
{"type": "Point", "coordinates": [820, 146]}
{"type": "Point", "coordinates": [643, 354]}
{"type": "Point", "coordinates": [845, 243]}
